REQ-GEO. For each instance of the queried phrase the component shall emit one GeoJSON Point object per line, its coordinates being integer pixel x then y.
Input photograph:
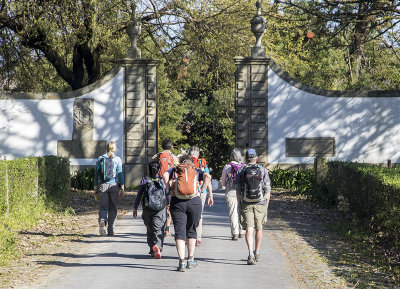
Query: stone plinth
{"type": "Point", "coordinates": [82, 144]}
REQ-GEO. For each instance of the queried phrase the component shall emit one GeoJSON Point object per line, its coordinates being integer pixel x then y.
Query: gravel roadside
{"type": "Point", "coordinates": [320, 256]}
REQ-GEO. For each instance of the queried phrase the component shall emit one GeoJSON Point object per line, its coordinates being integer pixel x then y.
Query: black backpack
{"type": "Point", "coordinates": [154, 195]}
{"type": "Point", "coordinates": [252, 185]}
{"type": "Point", "coordinates": [106, 169]}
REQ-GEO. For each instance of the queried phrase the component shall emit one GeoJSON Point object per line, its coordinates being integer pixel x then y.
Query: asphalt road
{"type": "Point", "coordinates": [122, 261]}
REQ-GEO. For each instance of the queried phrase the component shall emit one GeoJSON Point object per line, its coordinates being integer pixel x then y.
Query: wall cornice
{"type": "Point", "coordinates": [65, 95]}
{"type": "Point", "coordinates": [330, 93]}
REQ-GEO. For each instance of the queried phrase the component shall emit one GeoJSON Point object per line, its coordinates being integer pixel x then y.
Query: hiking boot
{"type": "Point", "coordinates": [191, 264]}
{"type": "Point", "coordinates": [242, 235]}
{"type": "Point", "coordinates": [102, 227]}
{"type": "Point", "coordinates": [257, 257]}
{"type": "Point", "coordinates": [198, 243]}
{"type": "Point", "coordinates": [157, 252]}
{"type": "Point", "coordinates": [235, 237]}
{"type": "Point", "coordinates": [251, 260]}
{"type": "Point", "coordinates": [181, 267]}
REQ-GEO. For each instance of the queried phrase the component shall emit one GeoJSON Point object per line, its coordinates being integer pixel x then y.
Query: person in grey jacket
{"type": "Point", "coordinates": [253, 211]}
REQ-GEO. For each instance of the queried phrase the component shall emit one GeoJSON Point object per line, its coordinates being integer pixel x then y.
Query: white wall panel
{"type": "Point", "coordinates": [366, 129]}
{"type": "Point", "coordinates": [33, 127]}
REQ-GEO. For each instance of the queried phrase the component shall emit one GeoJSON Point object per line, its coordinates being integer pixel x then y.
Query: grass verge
{"type": "Point", "coordinates": [382, 258]}
{"type": "Point", "coordinates": [23, 216]}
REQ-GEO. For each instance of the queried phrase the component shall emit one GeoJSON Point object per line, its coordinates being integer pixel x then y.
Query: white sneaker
{"type": "Point", "coordinates": [102, 227]}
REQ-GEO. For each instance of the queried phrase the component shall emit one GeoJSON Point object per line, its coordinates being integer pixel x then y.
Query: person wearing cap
{"type": "Point", "coordinates": [253, 212]}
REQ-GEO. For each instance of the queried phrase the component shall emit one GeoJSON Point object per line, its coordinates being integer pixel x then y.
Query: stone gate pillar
{"type": "Point", "coordinates": [252, 105]}
{"type": "Point", "coordinates": [140, 117]}
{"type": "Point", "coordinates": [252, 95]}
{"type": "Point", "coordinates": [141, 126]}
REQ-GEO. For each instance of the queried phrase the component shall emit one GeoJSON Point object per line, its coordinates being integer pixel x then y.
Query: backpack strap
{"type": "Point", "coordinates": [170, 161]}
{"type": "Point", "coordinates": [242, 181]}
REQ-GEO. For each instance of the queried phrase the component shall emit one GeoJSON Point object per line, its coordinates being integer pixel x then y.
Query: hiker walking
{"type": "Point", "coordinates": [185, 207]}
{"type": "Point", "coordinates": [108, 179]}
{"type": "Point", "coordinates": [254, 190]}
{"type": "Point", "coordinates": [229, 173]}
{"type": "Point", "coordinates": [154, 197]}
{"type": "Point", "coordinates": [201, 164]}
{"type": "Point", "coordinates": [167, 161]}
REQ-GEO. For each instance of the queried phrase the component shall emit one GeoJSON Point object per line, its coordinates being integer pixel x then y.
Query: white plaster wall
{"type": "Point", "coordinates": [33, 127]}
{"type": "Point", "coordinates": [365, 129]}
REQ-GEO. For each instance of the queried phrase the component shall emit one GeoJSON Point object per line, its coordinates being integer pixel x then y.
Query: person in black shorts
{"type": "Point", "coordinates": [186, 212]}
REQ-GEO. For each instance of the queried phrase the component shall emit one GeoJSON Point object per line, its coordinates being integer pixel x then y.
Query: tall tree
{"type": "Point", "coordinates": [78, 38]}
{"type": "Point", "coordinates": [359, 28]}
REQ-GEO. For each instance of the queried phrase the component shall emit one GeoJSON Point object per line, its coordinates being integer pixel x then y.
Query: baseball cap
{"type": "Point", "coordinates": [251, 153]}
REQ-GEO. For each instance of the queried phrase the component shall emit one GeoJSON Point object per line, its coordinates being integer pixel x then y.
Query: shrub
{"type": "Point", "coordinates": [300, 181]}
{"type": "Point", "coordinates": [83, 180]}
{"type": "Point", "coordinates": [371, 193]}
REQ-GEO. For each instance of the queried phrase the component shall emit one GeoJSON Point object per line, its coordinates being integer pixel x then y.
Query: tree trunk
{"type": "Point", "coordinates": [359, 37]}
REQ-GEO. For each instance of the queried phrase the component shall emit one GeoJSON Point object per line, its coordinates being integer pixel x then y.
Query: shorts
{"type": "Point", "coordinates": [186, 217]}
{"type": "Point", "coordinates": [254, 215]}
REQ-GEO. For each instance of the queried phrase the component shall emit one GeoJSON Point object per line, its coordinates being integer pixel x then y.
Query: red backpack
{"type": "Point", "coordinates": [166, 162]}
{"type": "Point", "coordinates": [199, 163]}
{"type": "Point", "coordinates": [196, 162]}
{"type": "Point", "coordinates": [185, 184]}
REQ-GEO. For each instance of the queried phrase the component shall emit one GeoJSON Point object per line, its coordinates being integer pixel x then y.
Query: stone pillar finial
{"type": "Point", "coordinates": [258, 5]}
{"type": "Point", "coordinates": [258, 25]}
{"type": "Point", "coordinates": [134, 29]}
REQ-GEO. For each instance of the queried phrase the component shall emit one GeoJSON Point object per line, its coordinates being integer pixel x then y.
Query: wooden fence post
{"type": "Point", "coordinates": [320, 168]}
{"type": "Point", "coordinates": [7, 193]}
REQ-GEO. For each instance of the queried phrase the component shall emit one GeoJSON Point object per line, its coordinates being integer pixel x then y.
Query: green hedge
{"type": "Point", "coordinates": [300, 181]}
{"type": "Point", "coordinates": [54, 177]}
{"type": "Point", "coordinates": [35, 185]}
{"type": "Point", "coordinates": [30, 177]}
{"type": "Point", "coordinates": [371, 193]}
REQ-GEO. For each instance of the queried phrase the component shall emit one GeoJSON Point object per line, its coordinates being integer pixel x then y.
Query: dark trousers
{"type": "Point", "coordinates": [155, 225]}
{"type": "Point", "coordinates": [186, 217]}
{"type": "Point", "coordinates": [108, 196]}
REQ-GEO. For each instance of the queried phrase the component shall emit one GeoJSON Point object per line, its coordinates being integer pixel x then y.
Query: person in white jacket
{"type": "Point", "coordinates": [228, 181]}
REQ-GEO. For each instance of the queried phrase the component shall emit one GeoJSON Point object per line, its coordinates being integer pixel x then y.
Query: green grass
{"type": "Point", "coordinates": [21, 217]}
